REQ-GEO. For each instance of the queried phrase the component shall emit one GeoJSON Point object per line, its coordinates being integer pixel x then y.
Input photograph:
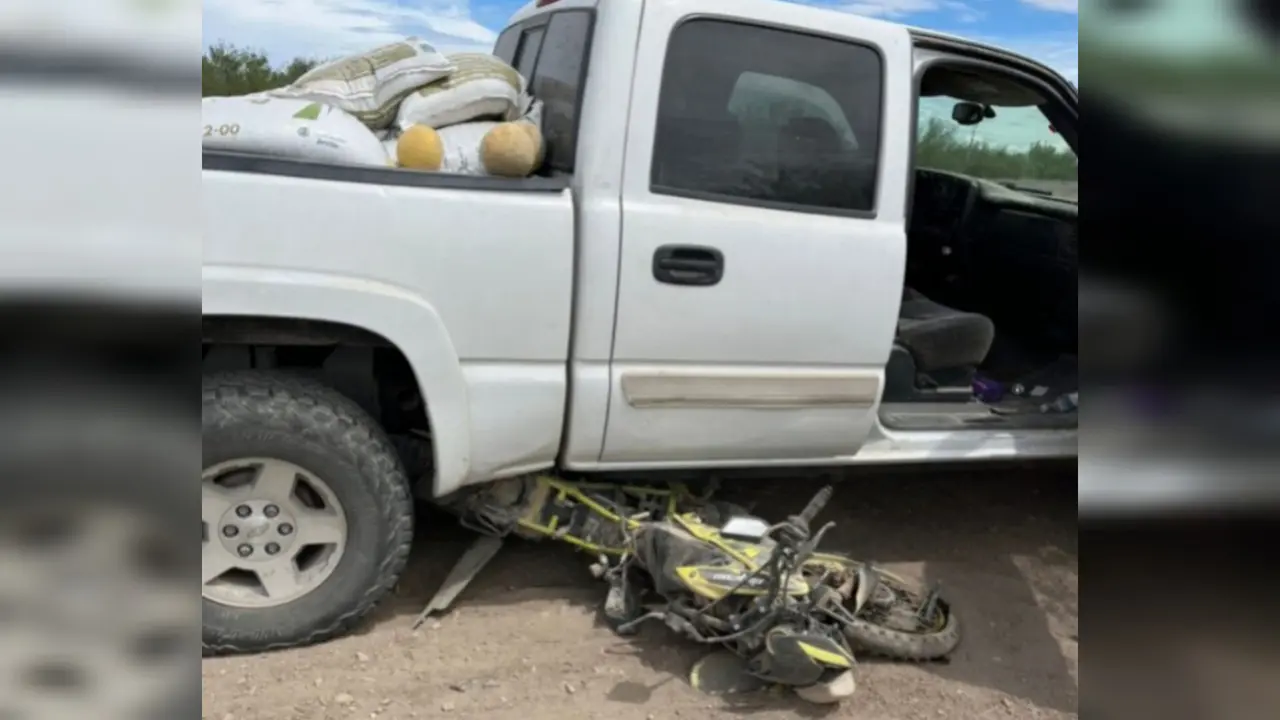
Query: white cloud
{"type": "Point", "coordinates": [889, 8]}
{"type": "Point", "coordinates": [286, 29]}
{"type": "Point", "coordinates": [1064, 6]}
{"type": "Point", "coordinates": [963, 11]}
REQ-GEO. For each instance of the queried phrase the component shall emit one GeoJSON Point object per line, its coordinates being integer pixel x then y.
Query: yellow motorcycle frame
{"type": "Point", "coordinates": [555, 505]}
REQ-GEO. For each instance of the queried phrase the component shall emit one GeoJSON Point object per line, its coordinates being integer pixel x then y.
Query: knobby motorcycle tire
{"type": "Point", "coordinates": [893, 643]}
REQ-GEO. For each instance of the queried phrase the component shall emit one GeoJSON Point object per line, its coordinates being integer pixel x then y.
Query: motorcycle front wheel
{"type": "Point", "coordinates": [890, 624]}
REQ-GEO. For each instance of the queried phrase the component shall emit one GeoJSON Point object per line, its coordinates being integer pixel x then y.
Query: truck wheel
{"type": "Point", "coordinates": [307, 513]}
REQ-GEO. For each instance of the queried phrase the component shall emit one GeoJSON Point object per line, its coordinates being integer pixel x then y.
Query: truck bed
{"type": "Point", "coordinates": [475, 274]}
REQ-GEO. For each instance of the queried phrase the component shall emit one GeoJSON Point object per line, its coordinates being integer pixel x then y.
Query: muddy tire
{"type": "Point", "coordinates": [868, 635]}
{"type": "Point", "coordinates": [899, 645]}
{"type": "Point", "coordinates": [293, 468]}
{"type": "Point", "coordinates": [93, 494]}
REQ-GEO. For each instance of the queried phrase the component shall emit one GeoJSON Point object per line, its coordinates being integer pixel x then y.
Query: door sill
{"type": "Point", "coordinates": [971, 416]}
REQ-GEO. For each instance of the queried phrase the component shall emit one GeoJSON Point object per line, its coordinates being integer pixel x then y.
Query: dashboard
{"type": "Point", "coordinates": [953, 216]}
{"type": "Point", "coordinates": [974, 244]}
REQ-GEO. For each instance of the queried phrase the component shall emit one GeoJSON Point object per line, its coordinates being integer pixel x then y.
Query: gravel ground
{"type": "Point", "coordinates": [524, 640]}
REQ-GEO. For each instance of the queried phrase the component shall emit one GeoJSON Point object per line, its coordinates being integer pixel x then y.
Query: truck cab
{"type": "Point", "coordinates": [742, 250]}
{"type": "Point", "coordinates": [750, 169]}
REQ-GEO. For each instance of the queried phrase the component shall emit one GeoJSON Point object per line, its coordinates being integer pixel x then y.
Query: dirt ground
{"type": "Point", "coordinates": [524, 641]}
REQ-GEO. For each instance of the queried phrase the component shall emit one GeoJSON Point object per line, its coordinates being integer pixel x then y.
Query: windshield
{"type": "Point", "coordinates": [1016, 147]}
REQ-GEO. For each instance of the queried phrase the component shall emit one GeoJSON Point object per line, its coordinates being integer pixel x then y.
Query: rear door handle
{"type": "Point", "coordinates": [688, 265]}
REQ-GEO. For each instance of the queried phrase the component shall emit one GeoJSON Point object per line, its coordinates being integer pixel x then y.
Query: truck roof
{"type": "Point", "coordinates": [535, 7]}
{"type": "Point", "coordinates": [925, 33]}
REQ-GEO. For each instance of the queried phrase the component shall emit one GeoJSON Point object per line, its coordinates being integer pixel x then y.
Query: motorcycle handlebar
{"type": "Point", "coordinates": [815, 505]}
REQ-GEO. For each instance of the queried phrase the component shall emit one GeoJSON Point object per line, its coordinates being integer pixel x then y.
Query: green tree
{"type": "Point", "coordinates": [940, 147]}
{"type": "Point", "coordinates": [228, 70]}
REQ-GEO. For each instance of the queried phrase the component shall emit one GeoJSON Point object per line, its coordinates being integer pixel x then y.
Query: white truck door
{"type": "Point", "coordinates": [763, 239]}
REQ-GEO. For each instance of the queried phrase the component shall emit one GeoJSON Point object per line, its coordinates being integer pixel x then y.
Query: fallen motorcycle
{"type": "Point", "coordinates": [786, 613]}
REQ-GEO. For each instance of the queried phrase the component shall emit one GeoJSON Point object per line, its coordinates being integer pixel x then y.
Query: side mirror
{"type": "Point", "coordinates": [970, 113]}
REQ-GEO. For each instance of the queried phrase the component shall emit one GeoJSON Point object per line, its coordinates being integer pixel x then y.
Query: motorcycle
{"type": "Point", "coordinates": [788, 614]}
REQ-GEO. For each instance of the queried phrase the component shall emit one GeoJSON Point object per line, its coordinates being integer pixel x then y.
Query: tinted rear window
{"type": "Point", "coordinates": [557, 82]}
{"type": "Point", "coordinates": [550, 51]}
{"type": "Point", "coordinates": [505, 47]}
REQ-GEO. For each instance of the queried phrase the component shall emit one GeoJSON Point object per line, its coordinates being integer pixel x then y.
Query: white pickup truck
{"type": "Point", "coordinates": [736, 255]}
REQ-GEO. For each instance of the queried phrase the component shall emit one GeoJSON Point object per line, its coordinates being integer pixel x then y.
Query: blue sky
{"type": "Point", "coordinates": [284, 29]}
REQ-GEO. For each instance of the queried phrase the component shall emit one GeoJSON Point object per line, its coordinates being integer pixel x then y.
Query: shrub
{"type": "Point", "coordinates": [940, 146]}
{"type": "Point", "coordinates": [227, 70]}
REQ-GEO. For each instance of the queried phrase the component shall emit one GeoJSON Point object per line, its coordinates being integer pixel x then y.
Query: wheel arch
{"type": "Point", "coordinates": [350, 310]}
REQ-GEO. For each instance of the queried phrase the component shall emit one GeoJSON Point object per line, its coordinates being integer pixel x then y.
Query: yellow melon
{"type": "Point", "coordinates": [419, 148]}
{"type": "Point", "coordinates": [512, 149]}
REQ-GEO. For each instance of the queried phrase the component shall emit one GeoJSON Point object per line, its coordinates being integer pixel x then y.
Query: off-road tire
{"type": "Point", "coordinates": [878, 640]}
{"type": "Point", "coordinates": [77, 447]}
{"type": "Point", "coordinates": [302, 421]}
{"type": "Point", "coordinates": [898, 645]}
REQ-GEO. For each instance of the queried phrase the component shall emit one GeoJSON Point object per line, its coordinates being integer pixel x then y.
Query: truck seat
{"type": "Point", "coordinates": [942, 338]}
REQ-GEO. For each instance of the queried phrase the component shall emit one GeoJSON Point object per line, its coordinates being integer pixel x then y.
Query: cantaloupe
{"type": "Point", "coordinates": [420, 148]}
{"type": "Point", "coordinates": [512, 149]}
{"type": "Point", "coordinates": [501, 149]}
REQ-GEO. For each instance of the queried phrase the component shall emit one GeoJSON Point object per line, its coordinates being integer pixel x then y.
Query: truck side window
{"type": "Point", "coordinates": [765, 103]}
{"type": "Point", "coordinates": [527, 51]}
{"type": "Point", "coordinates": [557, 82]}
{"type": "Point", "coordinates": [762, 116]}
{"type": "Point", "coordinates": [505, 47]}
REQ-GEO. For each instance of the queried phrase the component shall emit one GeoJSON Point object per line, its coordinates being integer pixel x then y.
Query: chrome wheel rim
{"type": "Point", "coordinates": [273, 532]}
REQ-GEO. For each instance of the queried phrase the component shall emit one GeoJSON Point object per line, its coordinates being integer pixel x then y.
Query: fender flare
{"type": "Point", "coordinates": [403, 318]}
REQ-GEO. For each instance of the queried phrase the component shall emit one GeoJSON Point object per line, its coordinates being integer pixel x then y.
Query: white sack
{"type": "Point", "coordinates": [461, 145]}
{"type": "Point", "coordinates": [370, 85]}
{"type": "Point", "coordinates": [390, 141]}
{"type": "Point", "coordinates": [297, 129]}
{"type": "Point", "coordinates": [481, 86]}
{"type": "Point", "coordinates": [532, 113]}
